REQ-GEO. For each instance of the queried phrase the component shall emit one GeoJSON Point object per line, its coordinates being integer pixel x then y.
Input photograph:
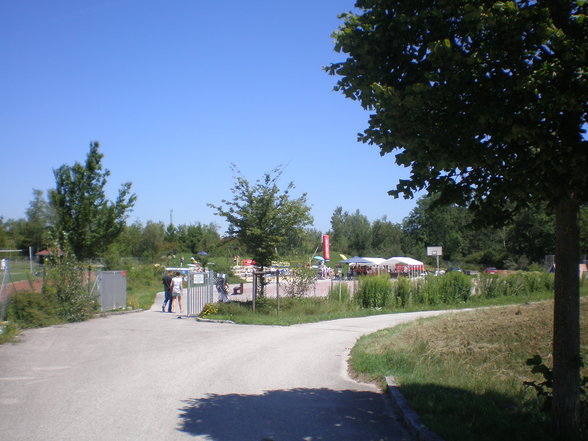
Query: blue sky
{"type": "Point", "coordinates": [175, 92]}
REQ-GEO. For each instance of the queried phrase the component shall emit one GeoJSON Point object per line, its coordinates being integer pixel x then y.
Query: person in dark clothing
{"type": "Point", "coordinates": [167, 281]}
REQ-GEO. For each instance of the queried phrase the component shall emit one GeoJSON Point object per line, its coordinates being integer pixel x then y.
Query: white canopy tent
{"type": "Point", "coordinates": [407, 265]}
{"type": "Point", "coordinates": [363, 260]}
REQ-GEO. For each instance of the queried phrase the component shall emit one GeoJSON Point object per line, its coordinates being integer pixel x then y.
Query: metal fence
{"type": "Point", "coordinates": [111, 286]}
{"type": "Point", "coordinates": [201, 290]}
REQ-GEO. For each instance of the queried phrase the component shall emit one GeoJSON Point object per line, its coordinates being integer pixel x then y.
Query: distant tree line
{"type": "Point", "coordinates": [517, 245]}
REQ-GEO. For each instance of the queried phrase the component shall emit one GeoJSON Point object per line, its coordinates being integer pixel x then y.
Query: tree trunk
{"type": "Point", "coordinates": [566, 324]}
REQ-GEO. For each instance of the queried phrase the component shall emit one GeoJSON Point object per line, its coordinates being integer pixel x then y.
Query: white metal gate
{"type": "Point", "coordinates": [112, 289]}
{"type": "Point", "coordinates": [200, 291]}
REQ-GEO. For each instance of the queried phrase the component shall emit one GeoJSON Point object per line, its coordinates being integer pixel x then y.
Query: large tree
{"type": "Point", "coordinates": [84, 217]}
{"type": "Point", "coordinates": [485, 102]}
{"type": "Point", "coordinates": [262, 216]}
{"type": "Point", "coordinates": [38, 220]}
{"type": "Point", "coordinates": [386, 238]}
{"type": "Point", "coordinates": [351, 232]}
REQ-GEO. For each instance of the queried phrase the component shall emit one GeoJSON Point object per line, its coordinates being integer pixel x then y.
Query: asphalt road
{"type": "Point", "coordinates": [153, 376]}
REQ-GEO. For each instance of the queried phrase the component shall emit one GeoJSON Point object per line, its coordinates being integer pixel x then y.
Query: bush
{"type": "Point", "coordinates": [515, 284]}
{"type": "Point", "coordinates": [299, 282]}
{"type": "Point", "coordinates": [429, 291]}
{"type": "Point", "coordinates": [375, 291]}
{"type": "Point", "coordinates": [8, 332]}
{"type": "Point", "coordinates": [33, 310]}
{"type": "Point", "coordinates": [491, 286]}
{"type": "Point", "coordinates": [209, 309]}
{"type": "Point", "coordinates": [455, 287]}
{"type": "Point", "coordinates": [65, 281]}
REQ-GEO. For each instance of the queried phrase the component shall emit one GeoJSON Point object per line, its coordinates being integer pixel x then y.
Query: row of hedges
{"type": "Point", "coordinates": [452, 288]}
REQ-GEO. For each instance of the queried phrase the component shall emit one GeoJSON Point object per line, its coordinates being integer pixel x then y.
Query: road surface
{"type": "Point", "coordinates": [152, 376]}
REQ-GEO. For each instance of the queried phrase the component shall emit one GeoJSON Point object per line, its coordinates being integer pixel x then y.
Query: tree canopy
{"type": "Point", "coordinates": [262, 216]}
{"type": "Point", "coordinates": [84, 217]}
{"type": "Point", "coordinates": [486, 102]}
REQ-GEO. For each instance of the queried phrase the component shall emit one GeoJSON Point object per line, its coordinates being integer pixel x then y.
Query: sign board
{"type": "Point", "coordinates": [198, 278]}
{"type": "Point", "coordinates": [434, 251]}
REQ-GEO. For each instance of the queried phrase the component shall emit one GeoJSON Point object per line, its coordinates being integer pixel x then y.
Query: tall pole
{"type": "Point", "coordinates": [31, 259]}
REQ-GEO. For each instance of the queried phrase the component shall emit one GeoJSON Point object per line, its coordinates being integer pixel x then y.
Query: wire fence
{"type": "Point", "coordinates": [21, 274]}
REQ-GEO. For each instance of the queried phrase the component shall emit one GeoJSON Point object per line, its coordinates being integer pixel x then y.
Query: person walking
{"type": "Point", "coordinates": [178, 290]}
{"type": "Point", "coordinates": [167, 291]}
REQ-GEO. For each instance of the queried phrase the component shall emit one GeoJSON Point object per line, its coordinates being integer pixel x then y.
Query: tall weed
{"type": "Point", "coordinates": [455, 287]}
{"type": "Point", "coordinates": [403, 292]}
{"type": "Point", "coordinates": [491, 286]}
{"type": "Point", "coordinates": [340, 292]}
{"type": "Point", "coordinates": [375, 291]}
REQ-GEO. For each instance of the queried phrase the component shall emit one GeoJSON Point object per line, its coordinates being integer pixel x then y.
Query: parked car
{"type": "Point", "coordinates": [490, 270]}
{"type": "Point", "coordinates": [455, 268]}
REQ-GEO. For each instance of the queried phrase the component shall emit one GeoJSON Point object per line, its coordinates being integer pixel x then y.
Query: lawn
{"type": "Point", "coordinates": [463, 372]}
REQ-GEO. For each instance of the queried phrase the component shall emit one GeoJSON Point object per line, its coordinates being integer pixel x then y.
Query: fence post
{"type": "Point", "coordinates": [278, 288]}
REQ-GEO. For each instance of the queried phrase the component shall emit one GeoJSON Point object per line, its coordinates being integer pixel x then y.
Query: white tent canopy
{"type": "Point", "coordinates": [364, 260]}
{"type": "Point", "coordinates": [407, 261]}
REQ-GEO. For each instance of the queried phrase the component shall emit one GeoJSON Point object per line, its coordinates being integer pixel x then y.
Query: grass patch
{"type": "Point", "coordinates": [143, 283]}
{"type": "Point", "coordinates": [291, 311]}
{"type": "Point", "coordinates": [34, 310]}
{"type": "Point", "coordinates": [463, 373]}
{"type": "Point", "coordinates": [8, 332]}
{"type": "Point", "coordinates": [315, 309]}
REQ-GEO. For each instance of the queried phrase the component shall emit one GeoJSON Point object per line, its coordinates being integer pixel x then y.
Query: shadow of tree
{"type": "Point", "coordinates": [458, 414]}
{"type": "Point", "coordinates": [297, 414]}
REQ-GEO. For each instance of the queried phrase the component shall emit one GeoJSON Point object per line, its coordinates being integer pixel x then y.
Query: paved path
{"type": "Point", "coordinates": [152, 376]}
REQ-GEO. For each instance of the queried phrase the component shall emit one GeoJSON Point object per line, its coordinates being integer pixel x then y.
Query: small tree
{"type": "Point", "coordinates": [299, 281]}
{"type": "Point", "coordinates": [84, 217]}
{"type": "Point", "coordinates": [262, 216]}
{"type": "Point", "coordinates": [65, 280]}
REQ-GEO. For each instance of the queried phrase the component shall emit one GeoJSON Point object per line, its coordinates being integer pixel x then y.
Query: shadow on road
{"type": "Point", "coordinates": [298, 414]}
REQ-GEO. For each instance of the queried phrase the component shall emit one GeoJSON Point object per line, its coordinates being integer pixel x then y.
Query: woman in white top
{"type": "Point", "coordinates": [177, 290]}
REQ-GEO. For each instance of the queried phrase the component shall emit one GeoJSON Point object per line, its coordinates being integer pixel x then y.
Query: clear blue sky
{"type": "Point", "coordinates": [175, 92]}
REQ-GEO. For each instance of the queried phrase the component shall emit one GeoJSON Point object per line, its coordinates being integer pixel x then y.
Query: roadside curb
{"type": "Point", "coordinates": [117, 312]}
{"type": "Point", "coordinates": [200, 319]}
{"type": "Point", "coordinates": [417, 429]}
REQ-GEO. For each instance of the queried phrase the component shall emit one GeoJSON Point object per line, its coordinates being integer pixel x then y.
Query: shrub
{"type": "Point", "coordinates": [491, 286]}
{"type": "Point", "coordinates": [8, 332]}
{"type": "Point", "coordinates": [375, 291]}
{"type": "Point", "coordinates": [515, 284]}
{"type": "Point", "coordinates": [429, 291]}
{"type": "Point", "coordinates": [455, 287]}
{"type": "Point", "coordinates": [209, 309]}
{"type": "Point", "coordinates": [33, 310]}
{"type": "Point", "coordinates": [299, 282]}
{"type": "Point", "coordinates": [403, 292]}
{"type": "Point", "coordinates": [65, 281]}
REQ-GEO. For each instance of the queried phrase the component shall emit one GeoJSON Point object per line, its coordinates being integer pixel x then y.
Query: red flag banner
{"type": "Point", "coordinates": [326, 247]}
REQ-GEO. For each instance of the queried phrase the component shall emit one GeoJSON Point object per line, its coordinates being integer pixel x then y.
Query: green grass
{"type": "Point", "coordinates": [20, 269]}
{"type": "Point", "coordinates": [313, 309]}
{"type": "Point", "coordinates": [291, 311]}
{"type": "Point", "coordinates": [463, 373]}
{"type": "Point", "coordinates": [8, 332]}
{"type": "Point", "coordinates": [143, 283]}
